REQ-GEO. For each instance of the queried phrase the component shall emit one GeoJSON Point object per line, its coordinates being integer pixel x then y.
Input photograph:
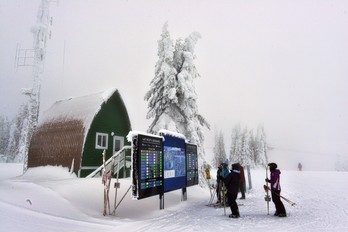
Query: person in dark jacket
{"type": "Point", "coordinates": [219, 180]}
{"type": "Point", "coordinates": [232, 185]}
{"type": "Point", "coordinates": [275, 190]}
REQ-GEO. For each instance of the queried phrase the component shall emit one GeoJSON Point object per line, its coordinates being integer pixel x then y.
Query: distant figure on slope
{"type": "Point", "coordinates": [232, 185]}
{"type": "Point", "coordinates": [242, 186]}
{"type": "Point", "coordinates": [299, 166]}
{"type": "Point", "coordinates": [275, 190]}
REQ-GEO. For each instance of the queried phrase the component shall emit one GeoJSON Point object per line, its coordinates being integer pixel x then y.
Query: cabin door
{"type": "Point", "coordinates": [118, 143]}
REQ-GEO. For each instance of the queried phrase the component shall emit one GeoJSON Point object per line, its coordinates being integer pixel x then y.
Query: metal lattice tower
{"type": "Point", "coordinates": [41, 34]}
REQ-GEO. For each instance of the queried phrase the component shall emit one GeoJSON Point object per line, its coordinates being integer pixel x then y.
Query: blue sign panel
{"type": "Point", "coordinates": [174, 160]}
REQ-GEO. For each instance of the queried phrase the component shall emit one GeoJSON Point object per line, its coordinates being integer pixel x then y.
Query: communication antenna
{"type": "Point", "coordinates": [35, 57]}
{"type": "Point", "coordinates": [24, 57]}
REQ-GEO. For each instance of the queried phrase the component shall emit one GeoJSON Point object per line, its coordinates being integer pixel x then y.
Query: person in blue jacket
{"type": "Point", "coordinates": [224, 170]}
{"type": "Point", "coordinates": [232, 186]}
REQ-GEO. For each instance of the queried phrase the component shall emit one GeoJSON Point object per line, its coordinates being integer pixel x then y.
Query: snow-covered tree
{"type": "Point", "coordinates": [248, 149]}
{"type": "Point", "coordinates": [262, 158]}
{"type": "Point", "coordinates": [172, 99]}
{"type": "Point", "coordinates": [17, 137]}
{"type": "Point", "coordinates": [219, 149]}
{"type": "Point", "coordinates": [245, 157]}
{"type": "Point", "coordinates": [162, 96]}
{"type": "Point", "coordinates": [253, 147]}
{"type": "Point", "coordinates": [236, 144]}
{"type": "Point", "coordinates": [4, 133]}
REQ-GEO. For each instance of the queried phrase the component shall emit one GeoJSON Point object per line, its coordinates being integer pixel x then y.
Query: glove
{"type": "Point", "coordinates": [267, 180]}
{"type": "Point", "coordinates": [266, 188]}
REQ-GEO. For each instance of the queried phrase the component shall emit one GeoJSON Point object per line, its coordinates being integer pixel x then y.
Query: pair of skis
{"type": "Point", "coordinates": [267, 197]}
{"type": "Point", "coordinates": [222, 203]}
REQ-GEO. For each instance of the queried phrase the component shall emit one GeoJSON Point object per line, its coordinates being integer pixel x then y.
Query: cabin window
{"type": "Point", "coordinates": [101, 141]}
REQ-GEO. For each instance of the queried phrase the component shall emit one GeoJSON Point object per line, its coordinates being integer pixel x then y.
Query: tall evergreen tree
{"type": "Point", "coordinates": [236, 144]}
{"type": "Point", "coordinates": [172, 100]}
{"type": "Point", "coordinates": [17, 143]}
{"type": "Point", "coordinates": [4, 134]}
{"type": "Point", "coordinates": [262, 147]}
{"type": "Point", "coordinates": [162, 96]}
{"type": "Point", "coordinates": [245, 155]}
{"type": "Point", "coordinates": [219, 149]}
{"type": "Point", "coordinates": [253, 148]}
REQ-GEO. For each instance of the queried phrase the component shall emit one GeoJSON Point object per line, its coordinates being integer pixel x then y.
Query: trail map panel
{"type": "Point", "coordinates": [174, 163]}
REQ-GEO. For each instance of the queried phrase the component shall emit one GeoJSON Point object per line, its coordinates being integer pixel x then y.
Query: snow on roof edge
{"type": "Point", "coordinates": [172, 133]}
{"type": "Point", "coordinates": [108, 93]}
{"type": "Point", "coordinates": [131, 134]}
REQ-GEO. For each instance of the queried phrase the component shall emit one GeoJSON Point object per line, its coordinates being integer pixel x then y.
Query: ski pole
{"type": "Point", "coordinates": [121, 199]}
{"type": "Point", "coordinates": [287, 200]}
{"type": "Point", "coordinates": [212, 198]}
{"type": "Point", "coordinates": [224, 197]}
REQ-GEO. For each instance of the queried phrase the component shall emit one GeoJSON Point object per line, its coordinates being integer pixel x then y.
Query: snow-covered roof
{"type": "Point", "coordinates": [131, 135]}
{"type": "Point", "coordinates": [161, 133]}
{"type": "Point", "coordinates": [171, 133]}
{"type": "Point", "coordinates": [82, 108]}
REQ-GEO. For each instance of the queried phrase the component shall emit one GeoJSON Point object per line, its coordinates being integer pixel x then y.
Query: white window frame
{"type": "Point", "coordinates": [103, 135]}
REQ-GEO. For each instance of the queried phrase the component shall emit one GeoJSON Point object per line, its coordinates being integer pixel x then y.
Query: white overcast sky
{"type": "Point", "coordinates": [280, 63]}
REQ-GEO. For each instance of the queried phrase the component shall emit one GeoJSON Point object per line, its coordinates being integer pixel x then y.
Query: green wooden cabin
{"type": "Point", "coordinates": [74, 132]}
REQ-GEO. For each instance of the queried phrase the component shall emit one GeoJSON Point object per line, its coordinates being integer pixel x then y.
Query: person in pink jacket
{"type": "Point", "coordinates": [275, 190]}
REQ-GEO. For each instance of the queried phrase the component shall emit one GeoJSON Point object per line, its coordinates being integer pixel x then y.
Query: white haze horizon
{"type": "Point", "coordinates": [277, 63]}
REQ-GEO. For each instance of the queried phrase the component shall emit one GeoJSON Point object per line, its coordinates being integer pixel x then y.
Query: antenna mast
{"type": "Point", "coordinates": [41, 33]}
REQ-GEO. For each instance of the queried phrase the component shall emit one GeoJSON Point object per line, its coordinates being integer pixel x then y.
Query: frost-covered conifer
{"type": "Point", "coordinates": [172, 99]}
{"type": "Point", "coordinates": [262, 147]}
{"type": "Point", "coordinates": [16, 145]}
{"type": "Point", "coordinates": [219, 149]}
{"type": "Point", "coordinates": [236, 145]}
{"type": "Point", "coordinates": [4, 134]}
{"type": "Point", "coordinates": [245, 155]}
{"type": "Point", "coordinates": [162, 95]}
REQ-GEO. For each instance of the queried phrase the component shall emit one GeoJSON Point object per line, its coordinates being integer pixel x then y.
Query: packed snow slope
{"type": "Point", "coordinates": [50, 199]}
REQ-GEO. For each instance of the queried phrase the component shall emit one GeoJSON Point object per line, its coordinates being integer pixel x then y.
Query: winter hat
{"type": "Point", "coordinates": [272, 166]}
{"type": "Point", "coordinates": [235, 166]}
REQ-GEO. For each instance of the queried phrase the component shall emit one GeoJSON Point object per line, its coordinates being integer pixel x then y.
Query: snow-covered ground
{"type": "Point", "coordinates": [50, 199]}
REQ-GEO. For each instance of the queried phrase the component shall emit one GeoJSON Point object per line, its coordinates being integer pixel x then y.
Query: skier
{"type": "Point", "coordinates": [242, 182]}
{"type": "Point", "coordinates": [224, 170]}
{"type": "Point", "coordinates": [222, 173]}
{"type": "Point", "coordinates": [232, 185]}
{"type": "Point", "coordinates": [275, 190]}
{"type": "Point", "coordinates": [299, 166]}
